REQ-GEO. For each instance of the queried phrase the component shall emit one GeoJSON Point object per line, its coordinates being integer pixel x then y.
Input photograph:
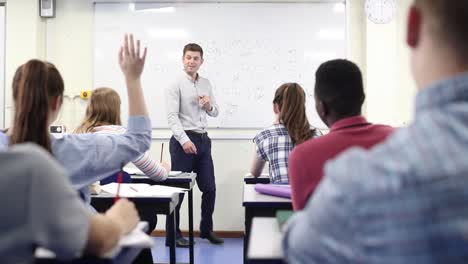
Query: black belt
{"type": "Point", "coordinates": [197, 134]}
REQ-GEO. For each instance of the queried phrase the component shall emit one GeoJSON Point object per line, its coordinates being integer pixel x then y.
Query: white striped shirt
{"type": "Point", "coordinates": [144, 162]}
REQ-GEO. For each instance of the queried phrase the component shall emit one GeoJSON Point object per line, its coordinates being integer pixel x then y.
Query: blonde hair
{"type": "Point", "coordinates": [103, 109]}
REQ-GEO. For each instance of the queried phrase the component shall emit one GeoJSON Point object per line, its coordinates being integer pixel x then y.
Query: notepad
{"type": "Point", "coordinates": [133, 171]}
{"type": "Point", "coordinates": [137, 238]}
{"type": "Point", "coordinates": [282, 217]}
{"type": "Point", "coordinates": [136, 171]}
{"type": "Point", "coordinates": [174, 173]}
{"type": "Point", "coordinates": [261, 175]}
{"type": "Point", "coordinates": [140, 190]}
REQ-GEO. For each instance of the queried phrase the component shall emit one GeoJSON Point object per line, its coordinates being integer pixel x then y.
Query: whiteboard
{"type": "Point", "coordinates": [250, 49]}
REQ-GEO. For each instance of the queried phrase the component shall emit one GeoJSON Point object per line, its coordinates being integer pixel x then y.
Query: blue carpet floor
{"type": "Point", "coordinates": [231, 252]}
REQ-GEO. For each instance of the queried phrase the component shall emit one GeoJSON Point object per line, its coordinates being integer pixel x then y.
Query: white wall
{"type": "Point", "coordinates": [67, 41]}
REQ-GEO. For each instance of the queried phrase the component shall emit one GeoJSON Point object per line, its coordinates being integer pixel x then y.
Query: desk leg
{"type": "Point", "coordinates": [190, 211]}
{"type": "Point", "coordinates": [248, 223]}
{"type": "Point", "coordinates": [172, 248]}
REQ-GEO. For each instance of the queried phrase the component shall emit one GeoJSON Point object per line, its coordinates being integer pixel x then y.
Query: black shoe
{"type": "Point", "coordinates": [214, 239]}
{"type": "Point", "coordinates": [181, 243]}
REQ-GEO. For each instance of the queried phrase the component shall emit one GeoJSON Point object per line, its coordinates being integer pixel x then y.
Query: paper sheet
{"type": "Point", "coordinates": [141, 190]}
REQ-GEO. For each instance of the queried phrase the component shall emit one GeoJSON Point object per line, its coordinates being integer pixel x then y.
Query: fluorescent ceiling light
{"type": "Point", "coordinates": [169, 9]}
{"type": "Point", "coordinates": [331, 33]}
{"type": "Point", "coordinates": [339, 8]}
{"type": "Point", "coordinates": [168, 33]}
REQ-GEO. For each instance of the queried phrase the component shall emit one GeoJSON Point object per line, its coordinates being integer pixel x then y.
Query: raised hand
{"type": "Point", "coordinates": [130, 60]}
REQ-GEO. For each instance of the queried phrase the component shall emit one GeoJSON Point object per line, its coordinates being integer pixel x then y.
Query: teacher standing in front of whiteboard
{"type": "Point", "coordinates": [189, 101]}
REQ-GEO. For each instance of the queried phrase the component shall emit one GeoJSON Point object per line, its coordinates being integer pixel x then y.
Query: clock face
{"type": "Point", "coordinates": [380, 11]}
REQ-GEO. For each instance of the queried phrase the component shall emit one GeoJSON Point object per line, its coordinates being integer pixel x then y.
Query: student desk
{"type": "Point", "coordinates": [249, 179]}
{"type": "Point", "coordinates": [160, 204]}
{"type": "Point", "coordinates": [265, 242]}
{"type": "Point", "coordinates": [260, 205]}
{"type": "Point", "coordinates": [184, 180]}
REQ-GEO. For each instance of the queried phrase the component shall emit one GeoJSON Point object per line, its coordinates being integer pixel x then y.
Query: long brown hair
{"type": "Point", "coordinates": [103, 109]}
{"type": "Point", "coordinates": [290, 98]}
{"type": "Point", "coordinates": [35, 83]}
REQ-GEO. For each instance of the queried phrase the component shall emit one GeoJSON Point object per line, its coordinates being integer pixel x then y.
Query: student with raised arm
{"type": "Point", "coordinates": [405, 200]}
{"type": "Point", "coordinates": [38, 92]}
{"type": "Point", "coordinates": [32, 181]}
{"type": "Point", "coordinates": [339, 95]}
{"type": "Point", "coordinates": [103, 117]}
{"type": "Point", "coordinates": [290, 128]}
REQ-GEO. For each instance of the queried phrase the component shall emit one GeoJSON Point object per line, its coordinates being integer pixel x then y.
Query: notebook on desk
{"type": "Point", "coordinates": [133, 171]}
{"type": "Point", "coordinates": [140, 190]}
{"type": "Point", "coordinates": [174, 173]}
{"type": "Point", "coordinates": [136, 171]}
{"type": "Point", "coordinates": [248, 174]}
{"type": "Point", "coordinates": [135, 239]}
{"type": "Point", "coordinates": [282, 217]}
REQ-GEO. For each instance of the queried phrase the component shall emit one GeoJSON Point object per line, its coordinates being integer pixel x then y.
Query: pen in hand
{"type": "Point", "coordinates": [119, 181]}
{"type": "Point", "coordinates": [162, 149]}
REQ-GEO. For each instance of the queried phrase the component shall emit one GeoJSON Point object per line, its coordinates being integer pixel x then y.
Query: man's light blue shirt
{"type": "Point", "coordinates": [88, 158]}
{"type": "Point", "coordinates": [183, 109]}
{"type": "Point", "coordinates": [404, 201]}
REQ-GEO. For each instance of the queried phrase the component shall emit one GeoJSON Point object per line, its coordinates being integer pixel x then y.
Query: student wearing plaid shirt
{"type": "Point", "coordinates": [291, 127]}
{"type": "Point", "coordinates": [405, 200]}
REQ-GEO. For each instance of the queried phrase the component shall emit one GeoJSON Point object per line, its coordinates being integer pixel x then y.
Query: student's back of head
{"type": "Point", "coordinates": [291, 128]}
{"type": "Point", "coordinates": [437, 34]}
{"type": "Point", "coordinates": [339, 90]}
{"type": "Point", "coordinates": [339, 95]}
{"type": "Point", "coordinates": [447, 24]}
{"type": "Point", "coordinates": [37, 88]}
{"type": "Point", "coordinates": [290, 100]}
{"type": "Point", "coordinates": [103, 109]}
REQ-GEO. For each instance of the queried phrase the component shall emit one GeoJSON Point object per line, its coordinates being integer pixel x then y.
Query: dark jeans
{"type": "Point", "coordinates": [202, 164]}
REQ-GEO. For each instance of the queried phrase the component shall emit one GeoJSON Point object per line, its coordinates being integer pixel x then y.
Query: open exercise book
{"type": "Point", "coordinates": [140, 190]}
{"type": "Point", "coordinates": [135, 239]}
{"type": "Point", "coordinates": [136, 171]}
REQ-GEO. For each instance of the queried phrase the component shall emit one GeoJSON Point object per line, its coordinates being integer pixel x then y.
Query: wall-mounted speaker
{"type": "Point", "coordinates": [47, 8]}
